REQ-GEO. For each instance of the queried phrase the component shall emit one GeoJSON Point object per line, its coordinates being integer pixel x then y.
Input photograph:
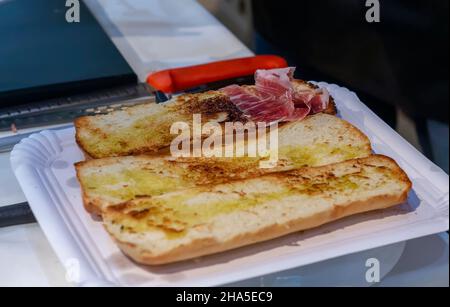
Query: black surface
{"type": "Point", "coordinates": [42, 56]}
{"type": "Point", "coordinates": [16, 215]}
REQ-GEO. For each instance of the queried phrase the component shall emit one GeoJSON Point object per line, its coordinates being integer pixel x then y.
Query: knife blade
{"type": "Point", "coordinates": [66, 109]}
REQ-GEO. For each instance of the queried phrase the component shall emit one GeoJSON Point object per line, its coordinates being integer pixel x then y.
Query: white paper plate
{"type": "Point", "coordinates": [43, 164]}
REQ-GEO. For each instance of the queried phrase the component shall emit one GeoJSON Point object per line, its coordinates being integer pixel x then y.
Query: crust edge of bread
{"type": "Point", "coordinates": [90, 204]}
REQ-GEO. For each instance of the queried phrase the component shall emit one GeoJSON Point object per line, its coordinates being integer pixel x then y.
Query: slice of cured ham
{"type": "Point", "coordinates": [275, 98]}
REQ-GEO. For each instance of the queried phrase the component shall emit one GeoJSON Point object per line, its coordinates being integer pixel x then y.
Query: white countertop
{"type": "Point", "coordinates": [153, 35]}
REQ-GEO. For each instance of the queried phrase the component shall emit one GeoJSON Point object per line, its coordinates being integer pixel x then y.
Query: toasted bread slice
{"type": "Point", "coordinates": [206, 220]}
{"type": "Point", "coordinates": [318, 140]}
{"type": "Point", "coordinates": [146, 128]}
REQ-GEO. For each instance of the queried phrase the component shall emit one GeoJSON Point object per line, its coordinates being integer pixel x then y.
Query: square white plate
{"type": "Point", "coordinates": [43, 164]}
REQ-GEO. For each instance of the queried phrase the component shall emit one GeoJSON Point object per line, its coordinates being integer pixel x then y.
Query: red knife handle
{"type": "Point", "coordinates": [179, 79]}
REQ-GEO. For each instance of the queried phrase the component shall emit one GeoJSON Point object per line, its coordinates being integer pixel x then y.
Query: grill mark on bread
{"type": "Point", "coordinates": [218, 103]}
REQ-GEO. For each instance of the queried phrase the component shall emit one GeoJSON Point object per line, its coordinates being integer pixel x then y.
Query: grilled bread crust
{"type": "Point", "coordinates": [211, 219]}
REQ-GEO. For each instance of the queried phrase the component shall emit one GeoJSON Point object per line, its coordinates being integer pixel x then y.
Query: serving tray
{"type": "Point", "coordinates": [43, 165]}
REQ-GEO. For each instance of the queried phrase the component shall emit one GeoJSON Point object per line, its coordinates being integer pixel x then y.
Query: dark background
{"type": "Point", "coordinates": [401, 61]}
